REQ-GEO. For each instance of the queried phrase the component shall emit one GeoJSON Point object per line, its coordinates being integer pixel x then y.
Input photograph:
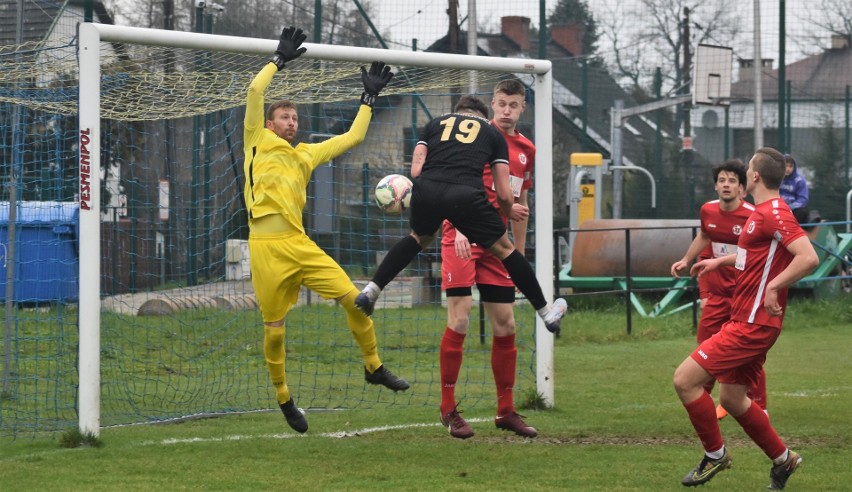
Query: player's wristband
{"type": "Point", "coordinates": [277, 60]}
{"type": "Point", "coordinates": [368, 99]}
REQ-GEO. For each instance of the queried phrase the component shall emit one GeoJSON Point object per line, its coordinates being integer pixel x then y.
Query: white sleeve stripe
{"type": "Point", "coordinates": [763, 280]}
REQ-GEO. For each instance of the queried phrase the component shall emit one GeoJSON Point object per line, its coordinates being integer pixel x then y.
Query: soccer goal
{"type": "Point", "coordinates": [167, 322]}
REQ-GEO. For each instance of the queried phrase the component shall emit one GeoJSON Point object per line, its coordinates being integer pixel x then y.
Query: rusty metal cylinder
{"type": "Point", "coordinates": [599, 247]}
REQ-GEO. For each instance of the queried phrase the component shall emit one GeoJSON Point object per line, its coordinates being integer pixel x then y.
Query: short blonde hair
{"type": "Point", "coordinates": [510, 87]}
{"type": "Point", "coordinates": [283, 104]}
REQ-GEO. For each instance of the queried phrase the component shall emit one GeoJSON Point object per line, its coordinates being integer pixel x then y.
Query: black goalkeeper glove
{"type": "Point", "coordinates": [288, 46]}
{"type": "Point", "coordinates": [374, 81]}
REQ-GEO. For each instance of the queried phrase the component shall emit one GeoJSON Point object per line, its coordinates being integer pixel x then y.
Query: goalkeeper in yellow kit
{"type": "Point", "coordinates": [283, 258]}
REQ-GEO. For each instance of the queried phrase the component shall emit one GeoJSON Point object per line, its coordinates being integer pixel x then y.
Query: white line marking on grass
{"type": "Point", "coordinates": [334, 435]}
{"type": "Point", "coordinates": [810, 394]}
{"type": "Point", "coordinates": [829, 392]}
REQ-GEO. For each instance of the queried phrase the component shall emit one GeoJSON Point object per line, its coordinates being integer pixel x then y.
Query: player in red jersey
{"type": "Point", "coordinates": [722, 221]}
{"type": "Point", "coordinates": [773, 252]}
{"type": "Point", "coordinates": [464, 263]}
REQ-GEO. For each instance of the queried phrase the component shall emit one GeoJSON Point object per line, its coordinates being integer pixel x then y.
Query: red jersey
{"type": "Point", "coordinates": [761, 255]}
{"type": "Point", "coordinates": [521, 166]}
{"type": "Point", "coordinates": [723, 228]}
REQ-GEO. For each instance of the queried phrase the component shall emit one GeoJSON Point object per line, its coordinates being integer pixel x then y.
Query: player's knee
{"type": "Point", "coordinates": [677, 382]}
{"type": "Point", "coordinates": [273, 335]}
{"type": "Point", "coordinates": [681, 382]}
{"type": "Point", "coordinates": [504, 328]}
{"type": "Point", "coordinates": [459, 325]}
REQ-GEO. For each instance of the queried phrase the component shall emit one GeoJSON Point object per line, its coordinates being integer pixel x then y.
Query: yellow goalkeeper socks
{"type": "Point", "coordinates": [361, 326]}
{"type": "Point", "coordinates": [273, 349]}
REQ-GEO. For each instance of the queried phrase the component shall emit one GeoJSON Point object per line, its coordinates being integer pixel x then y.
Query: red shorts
{"type": "Point", "coordinates": [482, 268]}
{"type": "Point", "coordinates": [715, 311]}
{"type": "Point", "coordinates": [736, 354]}
{"type": "Point", "coordinates": [703, 286]}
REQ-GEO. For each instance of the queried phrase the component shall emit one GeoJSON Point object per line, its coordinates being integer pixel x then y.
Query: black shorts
{"type": "Point", "coordinates": [467, 207]}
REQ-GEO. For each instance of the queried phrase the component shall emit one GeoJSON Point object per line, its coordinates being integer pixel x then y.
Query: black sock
{"type": "Point", "coordinates": [398, 257]}
{"type": "Point", "coordinates": [524, 277]}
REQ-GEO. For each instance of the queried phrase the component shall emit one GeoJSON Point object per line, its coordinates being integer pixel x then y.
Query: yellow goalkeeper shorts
{"type": "Point", "coordinates": [282, 262]}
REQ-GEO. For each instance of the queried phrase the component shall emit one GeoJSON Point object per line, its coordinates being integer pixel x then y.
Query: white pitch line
{"type": "Point", "coordinates": [336, 435]}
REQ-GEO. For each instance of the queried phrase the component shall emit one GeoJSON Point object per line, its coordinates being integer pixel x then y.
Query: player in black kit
{"type": "Point", "coordinates": [447, 168]}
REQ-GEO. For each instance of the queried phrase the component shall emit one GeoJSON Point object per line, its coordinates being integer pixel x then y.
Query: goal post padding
{"type": "Point", "coordinates": [202, 92]}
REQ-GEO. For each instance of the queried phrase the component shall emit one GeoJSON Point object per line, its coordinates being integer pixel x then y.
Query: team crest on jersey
{"type": "Point", "coordinates": [750, 227]}
{"type": "Point", "coordinates": [737, 230]}
{"type": "Point", "coordinates": [522, 158]}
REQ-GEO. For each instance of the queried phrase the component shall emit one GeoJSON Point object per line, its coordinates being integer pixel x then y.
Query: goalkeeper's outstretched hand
{"type": "Point", "coordinates": [288, 46]}
{"type": "Point", "coordinates": [374, 81]}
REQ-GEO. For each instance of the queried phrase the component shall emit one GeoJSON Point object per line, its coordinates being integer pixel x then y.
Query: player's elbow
{"type": "Point", "coordinates": [255, 90]}
{"type": "Point", "coordinates": [811, 261]}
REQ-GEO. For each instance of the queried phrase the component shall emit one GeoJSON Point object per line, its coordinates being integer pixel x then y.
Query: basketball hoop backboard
{"type": "Point", "coordinates": [711, 80]}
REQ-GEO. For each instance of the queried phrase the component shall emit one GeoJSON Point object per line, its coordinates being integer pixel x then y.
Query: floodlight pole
{"type": "Point", "coordinates": [618, 116]}
{"type": "Point", "coordinates": [758, 80]}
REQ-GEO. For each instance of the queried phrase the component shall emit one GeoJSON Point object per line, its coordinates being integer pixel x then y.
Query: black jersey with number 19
{"type": "Point", "coordinates": [459, 146]}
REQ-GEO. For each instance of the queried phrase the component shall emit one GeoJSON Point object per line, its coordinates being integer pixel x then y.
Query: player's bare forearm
{"type": "Point", "coordinates": [698, 244]}
{"type": "Point", "coordinates": [711, 264]}
{"type": "Point", "coordinates": [502, 188]}
{"type": "Point", "coordinates": [805, 260]}
{"type": "Point", "coordinates": [417, 160]}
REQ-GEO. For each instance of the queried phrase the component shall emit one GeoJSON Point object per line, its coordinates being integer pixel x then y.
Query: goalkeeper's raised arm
{"type": "Point", "coordinates": [374, 81]}
{"type": "Point", "coordinates": [289, 48]}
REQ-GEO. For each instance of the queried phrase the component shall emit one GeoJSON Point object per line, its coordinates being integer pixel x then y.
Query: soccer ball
{"type": "Point", "coordinates": [393, 193]}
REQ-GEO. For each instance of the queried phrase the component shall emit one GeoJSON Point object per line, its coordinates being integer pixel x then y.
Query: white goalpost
{"type": "Point", "coordinates": [96, 42]}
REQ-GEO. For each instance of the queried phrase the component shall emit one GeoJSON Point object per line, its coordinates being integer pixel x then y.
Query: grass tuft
{"type": "Point", "coordinates": [73, 438]}
{"type": "Point", "coordinates": [532, 400]}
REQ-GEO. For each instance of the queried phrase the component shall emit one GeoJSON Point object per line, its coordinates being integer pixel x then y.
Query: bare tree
{"type": "Point", "coordinates": [345, 25]}
{"type": "Point", "coordinates": [342, 23]}
{"type": "Point", "coordinates": [829, 17]}
{"type": "Point", "coordinates": [640, 36]}
{"type": "Point", "coordinates": [150, 13]}
{"type": "Point", "coordinates": [620, 48]}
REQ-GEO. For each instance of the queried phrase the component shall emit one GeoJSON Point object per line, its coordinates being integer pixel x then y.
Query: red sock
{"type": "Point", "coordinates": [452, 347]}
{"type": "Point", "coordinates": [756, 424]}
{"type": "Point", "coordinates": [504, 360]}
{"type": "Point", "coordinates": [702, 414]}
{"type": "Point", "coordinates": [757, 393]}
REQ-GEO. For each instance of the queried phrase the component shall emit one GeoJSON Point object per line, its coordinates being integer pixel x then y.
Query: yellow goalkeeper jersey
{"type": "Point", "coordinates": [277, 173]}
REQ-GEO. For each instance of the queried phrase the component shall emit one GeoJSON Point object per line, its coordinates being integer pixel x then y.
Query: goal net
{"type": "Point", "coordinates": [168, 322]}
